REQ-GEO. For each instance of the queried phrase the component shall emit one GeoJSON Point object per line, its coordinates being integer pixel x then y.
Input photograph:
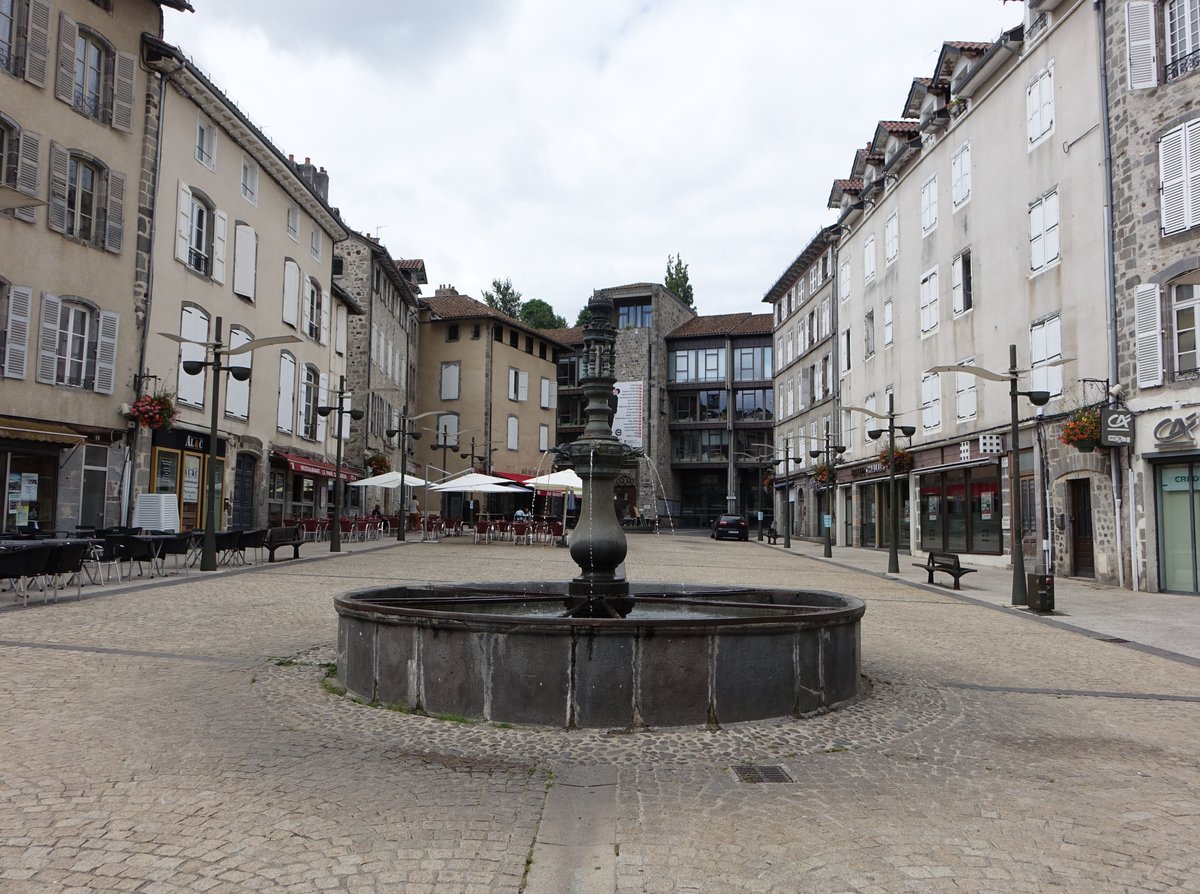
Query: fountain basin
{"type": "Point", "coordinates": [685, 655]}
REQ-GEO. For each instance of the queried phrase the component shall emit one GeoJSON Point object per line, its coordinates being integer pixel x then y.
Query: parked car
{"type": "Point", "coordinates": [731, 526]}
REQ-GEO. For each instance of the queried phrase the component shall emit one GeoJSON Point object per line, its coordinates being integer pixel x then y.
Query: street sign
{"type": "Point", "coordinates": [1116, 427]}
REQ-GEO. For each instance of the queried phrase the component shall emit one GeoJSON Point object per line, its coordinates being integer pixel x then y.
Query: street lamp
{"type": "Point", "coordinates": [1020, 595]}
{"type": "Point", "coordinates": [405, 431]}
{"type": "Point", "coordinates": [215, 350]}
{"type": "Point", "coordinates": [341, 411]}
{"type": "Point", "coordinates": [830, 450]}
{"type": "Point", "coordinates": [485, 459]}
{"type": "Point", "coordinates": [762, 460]}
{"type": "Point", "coordinates": [893, 502]}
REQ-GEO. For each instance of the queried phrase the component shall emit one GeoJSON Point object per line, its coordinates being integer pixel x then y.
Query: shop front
{"type": "Point", "coordinates": [179, 466]}
{"type": "Point", "coordinates": [302, 487]}
{"type": "Point", "coordinates": [875, 508]}
{"type": "Point", "coordinates": [30, 452]}
{"type": "Point", "coordinates": [961, 510]}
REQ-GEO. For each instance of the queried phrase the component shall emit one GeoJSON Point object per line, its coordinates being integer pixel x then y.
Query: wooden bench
{"type": "Point", "coordinates": [277, 538]}
{"type": "Point", "coordinates": [947, 562]}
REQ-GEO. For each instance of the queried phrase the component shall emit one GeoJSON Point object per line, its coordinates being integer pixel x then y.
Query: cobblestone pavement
{"type": "Point", "coordinates": [177, 737]}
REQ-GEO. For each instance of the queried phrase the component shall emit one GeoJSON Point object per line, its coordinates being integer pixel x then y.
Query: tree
{"type": "Point", "coordinates": [537, 314]}
{"type": "Point", "coordinates": [504, 298]}
{"type": "Point", "coordinates": [585, 316]}
{"type": "Point", "coordinates": [677, 279]}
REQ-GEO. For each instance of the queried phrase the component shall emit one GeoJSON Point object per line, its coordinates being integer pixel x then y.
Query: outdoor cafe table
{"type": "Point", "coordinates": [156, 543]}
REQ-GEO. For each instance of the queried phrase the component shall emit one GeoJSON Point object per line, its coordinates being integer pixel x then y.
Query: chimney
{"type": "Point", "coordinates": [318, 181]}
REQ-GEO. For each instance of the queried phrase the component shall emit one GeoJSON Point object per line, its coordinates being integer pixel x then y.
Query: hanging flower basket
{"type": "Point", "coordinates": [822, 473]}
{"type": "Point", "coordinates": [154, 411]}
{"type": "Point", "coordinates": [378, 464]}
{"type": "Point", "coordinates": [1082, 431]}
{"type": "Point", "coordinates": [903, 463]}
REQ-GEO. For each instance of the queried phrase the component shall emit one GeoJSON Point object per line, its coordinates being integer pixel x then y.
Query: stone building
{"type": "Point", "coordinates": [487, 384]}
{"type": "Point", "coordinates": [73, 124]}
{"type": "Point", "coordinates": [382, 361]}
{"type": "Point", "coordinates": [646, 314]}
{"type": "Point", "coordinates": [978, 226]}
{"type": "Point", "coordinates": [243, 249]}
{"type": "Point", "coordinates": [1152, 62]}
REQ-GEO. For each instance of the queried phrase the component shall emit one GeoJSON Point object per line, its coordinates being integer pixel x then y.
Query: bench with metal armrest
{"type": "Point", "coordinates": [947, 563]}
{"type": "Point", "coordinates": [278, 538]}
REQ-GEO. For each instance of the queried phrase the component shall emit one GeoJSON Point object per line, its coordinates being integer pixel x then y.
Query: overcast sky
{"type": "Point", "coordinates": [571, 146]}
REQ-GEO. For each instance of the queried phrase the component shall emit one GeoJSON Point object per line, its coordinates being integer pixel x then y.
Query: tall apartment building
{"type": "Point", "coordinates": [244, 235]}
{"type": "Point", "coordinates": [1152, 62]}
{"type": "Point", "coordinates": [72, 128]}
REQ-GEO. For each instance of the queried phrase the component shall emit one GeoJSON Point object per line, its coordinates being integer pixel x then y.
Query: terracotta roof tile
{"type": "Point", "coordinates": [909, 126]}
{"type": "Point", "coordinates": [461, 307]}
{"type": "Point", "coordinates": [572, 336]}
{"type": "Point", "coordinates": [971, 46]}
{"type": "Point", "coordinates": [724, 324]}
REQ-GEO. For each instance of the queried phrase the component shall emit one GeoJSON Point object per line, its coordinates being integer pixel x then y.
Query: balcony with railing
{"type": "Point", "coordinates": [1183, 65]}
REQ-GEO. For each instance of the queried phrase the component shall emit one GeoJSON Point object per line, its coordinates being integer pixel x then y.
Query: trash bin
{"type": "Point", "coordinates": [1040, 588]}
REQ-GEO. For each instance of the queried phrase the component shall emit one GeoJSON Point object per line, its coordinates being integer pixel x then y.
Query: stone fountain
{"type": "Point", "coordinates": [599, 651]}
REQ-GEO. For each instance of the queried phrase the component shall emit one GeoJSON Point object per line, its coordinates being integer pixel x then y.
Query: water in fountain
{"type": "Point", "coordinates": [663, 490]}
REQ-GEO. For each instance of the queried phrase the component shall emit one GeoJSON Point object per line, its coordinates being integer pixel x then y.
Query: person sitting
{"type": "Point", "coordinates": [772, 534]}
{"type": "Point", "coordinates": [375, 513]}
{"type": "Point", "coordinates": [519, 515]}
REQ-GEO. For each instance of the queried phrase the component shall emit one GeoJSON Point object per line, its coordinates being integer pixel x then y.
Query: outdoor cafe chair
{"type": "Point", "coordinates": [12, 570]}
{"type": "Point", "coordinates": [483, 531]}
{"type": "Point", "coordinates": [522, 532]}
{"type": "Point", "coordinates": [255, 540]}
{"type": "Point", "coordinates": [229, 548]}
{"type": "Point", "coordinates": [37, 560]}
{"type": "Point", "coordinates": [64, 564]}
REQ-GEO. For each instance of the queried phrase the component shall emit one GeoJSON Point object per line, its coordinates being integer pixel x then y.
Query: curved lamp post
{"type": "Point", "coordinates": [893, 503]}
{"type": "Point", "coordinates": [831, 451]}
{"type": "Point", "coordinates": [1020, 594]}
{"type": "Point", "coordinates": [405, 431]}
{"type": "Point", "coordinates": [762, 461]}
{"type": "Point", "coordinates": [214, 351]}
{"type": "Point", "coordinates": [341, 411]}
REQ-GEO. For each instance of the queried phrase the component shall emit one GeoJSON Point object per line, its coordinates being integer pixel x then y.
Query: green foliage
{"type": "Point", "coordinates": [585, 316]}
{"type": "Point", "coordinates": [677, 279]}
{"type": "Point", "coordinates": [537, 314]}
{"type": "Point", "coordinates": [504, 298]}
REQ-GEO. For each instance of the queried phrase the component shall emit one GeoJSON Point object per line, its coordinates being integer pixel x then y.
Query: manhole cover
{"type": "Point", "coordinates": [761, 773]}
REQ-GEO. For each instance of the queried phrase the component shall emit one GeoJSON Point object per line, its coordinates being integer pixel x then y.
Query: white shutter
{"type": "Point", "coordinates": [449, 390]}
{"type": "Point", "coordinates": [245, 260]}
{"type": "Point", "coordinates": [183, 226]}
{"type": "Point", "coordinates": [305, 295]}
{"type": "Point", "coordinates": [1037, 250]}
{"type": "Point", "coordinates": [1173, 184]}
{"type": "Point", "coordinates": [325, 299]}
{"type": "Point", "coordinates": [1053, 329]}
{"type": "Point", "coordinates": [291, 294]}
{"type": "Point", "coordinates": [340, 330]}
{"type": "Point", "coordinates": [114, 227]}
{"type": "Point", "coordinates": [64, 77]}
{"type": "Point", "coordinates": [220, 225]}
{"type": "Point", "coordinates": [37, 42]}
{"type": "Point", "coordinates": [553, 395]}
{"type": "Point", "coordinates": [28, 156]}
{"type": "Point", "coordinates": [1047, 105]}
{"type": "Point", "coordinates": [123, 75]}
{"type": "Point", "coordinates": [1191, 166]}
{"type": "Point", "coordinates": [60, 172]}
{"type": "Point", "coordinates": [1033, 105]}
{"type": "Point", "coordinates": [544, 402]}
{"type": "Point", "coordinates": [1050, 221]}
{"type": "Point", "coordinates": [47, 368]}
{"type": "Point", "coordinates": [1142, 50]}
{"type": "Point", "coordinates": [287, 392]}
{"type": "Point", "coordinates": [16, 337]}
{"type": "Point", "coordinates": [513, 433]}
{"type": "Point", "coordinates": [345, 416]}
{"type": "Point", "coordinates": [323, 401]}
{"type": "Point", "coordinates": [193, 325]}
{"type": "Point", "coordinates": [543, 438]}
{"type": "Point", "coordinates": [106, 352]}
{"type": "Point", "coordinates": [237, 394]}
{"type": "Point", "coordinates": [1147, 313]}
{"type": "Point", "coordinates": [956, 285]}
{"type": "Point", "coordinates": [523, 386]}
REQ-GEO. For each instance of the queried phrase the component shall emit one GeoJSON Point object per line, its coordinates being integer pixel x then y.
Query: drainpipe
{"type": "Point", "coordinates": [1110, 277]}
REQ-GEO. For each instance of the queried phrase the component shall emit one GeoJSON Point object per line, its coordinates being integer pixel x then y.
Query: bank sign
{"type": "Point", "coordinates": [1116, 427]}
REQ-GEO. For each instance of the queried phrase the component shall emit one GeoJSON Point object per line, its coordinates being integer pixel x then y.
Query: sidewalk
{"type": "Point", "coordinates": [1162, 623]}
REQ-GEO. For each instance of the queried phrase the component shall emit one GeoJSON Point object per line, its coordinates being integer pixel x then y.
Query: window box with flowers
{"type": "Point", "coordinates": [379, 464]}
{"type": "Point", "coordinates": [903, 460]}
{"type": "Point", "coordinates": [154, 411]}
{"type": "Point", "coordinates": [1082, 430]}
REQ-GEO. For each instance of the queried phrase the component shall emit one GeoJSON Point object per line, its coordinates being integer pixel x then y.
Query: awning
{"type": "Point", "coordinates": [316, 467]}
{"type": "Point", "coordinates": [46, 432]}
{"type": "Point", "coordinates": [512, 476]}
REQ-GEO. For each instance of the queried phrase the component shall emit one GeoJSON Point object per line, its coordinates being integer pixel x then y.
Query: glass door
{"type": "Point", "coordinates": [1178, 509]}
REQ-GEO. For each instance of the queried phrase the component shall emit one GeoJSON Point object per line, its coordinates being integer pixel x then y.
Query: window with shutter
{"type": "Point", "coordinates": [237, 394]}
{"type": "Point", "coordinates": [543, 438]}
{"type": "Point", "coordinates": [16, 331]}
{"type": "Point", "coordinates": [1141, 46]}
{"type": "Point", "coordinates": [965, 402]}
{"type": "Point", "coordinates": [891, 238]}
{"type": "Point", "coordinates": [193, 325]}
{"type": "Point", "coordinates": [287, 392]}
{"type": "Point", "coordinates": [931, 401]}
{"type": "Point", "coordinates": [1179, 172]}
{"type": "Point", "coordinates": [960, 175]}
{"type": "Point", "coordinates": [1043, 231]}
{"type": "Point", "coordinates": [929, 209]}
{"type": "Point", "coordinates": [37, 44]}
{"type": "Point", "coordinates": [124, 72]}
{"type": "Point", "coordinates": [26, 146]}
{"type": "Point", "coordinates": [47, 364]}
{"type": "Point", "coordinates": [108, 329]}
{"type": "Point", "coordinates": [340, 327]}
{"type": "Point", "coordinates": [449, 383]}
{"type": "Point", "coordinates": [220, 226]}
{"type": "Point", "coordinates": [869, 260]}
{"type": "Point", "coordinates": [1039, 106]}
{"type": "Point", "coordinates": [291, 293]}
{"type": "Point", "coordinates": [1045, 356]}
{"type": "Point", "coordinates": [1147, 314]}
{"type": "Point", "coordinates": [887, 322]}
{"type": "Point", "coordinates": [114, 224]}
{"type": "Point", "coordinates": [323, 400]}
{"type": "Point", "coordinates": [514, 430]}
{"type": "Point", "coordinates": [245, 260]}
{"type": "Point", "coordinates": [929, 302]}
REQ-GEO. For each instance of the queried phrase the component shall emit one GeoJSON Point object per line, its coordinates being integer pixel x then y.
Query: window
{"type": "Point", "coordinates": [291, 292]}
{"type": "Point", "coordinates": [891, 238]}
{"type": "Point", "coordinates": [449, 381]}
{"type": "Point", "coordinates": [200, 239]}
{"type": "Point", "coordinates": [193, 325]}
{"type": "Point", "coordinates": [960, 283]}
{"type": "Point", "coordinates": [1045, 356]}
{"type": "Point", "coordinates": [846, 350]}
{"type": "Point", "coordinates": [245, 260]}
{"type": "Point", "coordinates": [844, 280]}
{"type": "Point", "coordinates": [752, 363]}
{"type": "Point", "coordinates": [452, 332]}
{"type": "Point", "coordinates": [206, 142]}
{"type": "Point", "coordinates": [287, 392]}
{"type": "Point", "coordinates": [543, 437]}
{"type": "Point", "coordinates": [77, 345]}
{"type": "Point", "coordinates": [1039, 106]}
{"type": "Point", "coordinates": [699, 365]}
{"type": "Point", "coordinates": [83, 182]}
{"type": "Point", "coordinates": [1183, 37]}
{"type": "Point", "coordinates": [929, 208]}
{"type": "Point", "coordinates": [887, 322]}
{"type": "Point", "coordinates": [1043, 231]}
{"type": "Point", "coordinates": [475, 332]}
{"type": "Point", "coordinates": [549, 395]}
{"type": "Point", "coordinates": [447, 431]}
{"type": "Point", "coordinates": [568, 372]}
{"type": "Point", "coordinates": [310, 399]}
{"type": "Point", "coordinates": [869, 260]}
{"type": "Point", "coordinates": [869, 334]}
{"type": "Point", "coordinates": [237, 394]}
{"type": "Point", "coordinates": [19, 153]}
{"type": "Point", "coordinates": [250, 182]}
{"type": "Point", "coordinates": [86, 199]}
{"type": "Point", "coordinates": [929, 302]}
{"type": "Point", "coordinates": [513, 338]}
{"type": "Point", "coordinates": [964, 393]}
{"type": "Point", "coordinates": [636, 316]}
{"type": "Point", "coordinates": [960, 174]}
{"type": "Point", "coordinates": [293, 222]}
{"type": "Point", "coordinates": [1184, 300]}
{"type": "Point", "coordinates": [931, 401]}
{"type": "Point", "coordinates": [514, 432]}
{"type": "Point", "coordinates": [314, 242]}
{"type": "Point", "coordinates": [826, 318]}
{"type": "Point", "coordinates": [1179, 172]}
{"type": "Point", "coordinates": [8, 35]}
{"type": "Point", "coordinates": [529, 344]}
{"type": "Point", "coordinates": [90, 76]}
{"type": "Point", "coordinates": [88, 86]}
{"type": "Point", "coordinates": [518, 385]}
{"type": "Point", "coordinates": [315, 312]}
{"type": "Point", "coordinates": [25, 25]}
{"type": "Point", "coordinates": [754, 404]}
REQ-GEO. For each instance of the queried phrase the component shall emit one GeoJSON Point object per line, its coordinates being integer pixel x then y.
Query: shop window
{"type": "Point", "coordinates": [961, 510]}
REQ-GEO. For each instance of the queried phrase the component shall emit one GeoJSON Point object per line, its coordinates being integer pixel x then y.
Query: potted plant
{"type": "Point", "coordinates": [898, 459]}
{"type": "Point", "coordinates": [154, 411]}
{"type": "Point", "coordinates": [822, 472]}
{"type": "Point", "coordinates": [1082, 430]}
{"type": "Point", "coordinates": [378, 464]}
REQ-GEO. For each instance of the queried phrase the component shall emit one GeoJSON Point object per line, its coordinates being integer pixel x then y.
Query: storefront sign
{"type": "Point", "coordinates": [1173, 480]}
{"type": "Point", "coordinates": [1176, 433]}
{"type": "Point", "coordinates": [1116, 427]}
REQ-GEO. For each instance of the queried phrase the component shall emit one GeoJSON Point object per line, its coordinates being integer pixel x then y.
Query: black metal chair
{"type": "Point", "coordinates": [37, 559]}
{"type": "Point", "coordinates": [65, 563]}
{"type": "Point", "coordinates": [229, 548]}
{"type": "Point", "coordinates": [255, 540]}
{"type": "Point", "coordinates": [130, 549]}
{"type": "Point", "coordinates": [181, 547]}
{"type": "Point", "coordinates": [12, 569]}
